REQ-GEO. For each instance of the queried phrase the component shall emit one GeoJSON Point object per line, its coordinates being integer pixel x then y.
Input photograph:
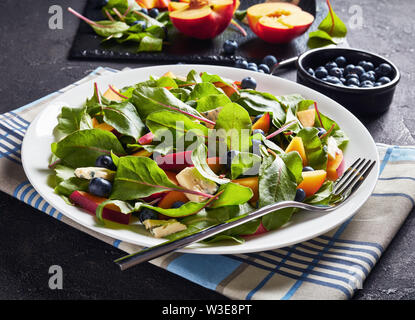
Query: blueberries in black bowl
{"type": "Point", "coordinates": [363, 74]}
{"type": "Point", "coordinates": [361, 81]}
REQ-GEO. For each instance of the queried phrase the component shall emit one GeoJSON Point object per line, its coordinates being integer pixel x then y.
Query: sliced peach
{"type": "Point", "coordinates": [170, 74]}
{"type": "Point", "coordinates": [148, 4]}
{"type": "Point", "coordinates": [102, 126]}
{"type": "Point", "coordinates": [263, 123]}
{"type": "Point", "coordinates": [111, 95]}
{"type": "Point", "coordinates": [202, 19]}
{"type": "Point", "coordinates": [312, 181]}
{"type": "Point", "coordinates": [256, 12]}
{"type": "Point", "coordinates": [215, 165]}
{"type": "Point", "coordinates": [172, 176]}
{"type": "Point", "coordinates": [250, 182]}
{"type": "Point", "coordinates": [335, 167]}
{"type": "Point", "coordinates": [307, 117]}
{"type": "Point", "coordinates": [278, 22]}
{"type": "Point", "coordinates": [297, 144]}
{"type": "Point", "coordinates": [90, 203]}
{"type": "Point", "coordinates": [230, 90]}
{"type": "Point", "coordinates": [171, 197]}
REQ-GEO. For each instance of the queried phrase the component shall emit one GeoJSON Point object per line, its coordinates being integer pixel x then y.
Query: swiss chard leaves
{"type": "Point", "coordinates": [124, 118]}
{"type": "Point", "coordinates": [234, 126]}
{"type": "Point", "coordinates": [331, 30]}
{"type": "Point", "coordinates": [82, 148]}
{"type": "Point", "coordinates": [276, 183]}
{"type": "Point", "coordinates": [139, 177]}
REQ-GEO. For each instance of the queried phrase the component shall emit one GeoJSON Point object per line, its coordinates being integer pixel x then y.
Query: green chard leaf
{"type": "Point", "coordinates": [231, 194]}
{"type": "Point", "coordinates": [73, 119]}
{"type": "Point", "coordinates": [106, 28]}
{"type": "Point", "coordinates": [82, 148]}
{"type": "Point", "coordinates": [256, 103]}
{"type": "Point", "coordinates": [331, 30]}
{"type": "Point", "coordinates": [234, 126]}
{"type": "Point", "coordinates": [314, 148]}
{"type": "Point", "coordinates": [150, 43]}
{"type": "Point", "coordinates": [124, 118]}
{"type": "Point", "coordinates": [276, 183]}
{"type": "Point", "coordinates": [199, 156]}
{"type": "Point", "coordinates": [139, 177]}
{"type": "Point", "coordinates": [147, 100]}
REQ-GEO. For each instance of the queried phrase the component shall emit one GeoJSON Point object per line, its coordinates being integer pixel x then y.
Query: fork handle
{"type": "Point", "coordinates": [172, 245]}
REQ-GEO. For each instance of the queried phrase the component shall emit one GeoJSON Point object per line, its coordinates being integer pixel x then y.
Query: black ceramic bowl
{"type": "Point", "coordinates": [363, 102]}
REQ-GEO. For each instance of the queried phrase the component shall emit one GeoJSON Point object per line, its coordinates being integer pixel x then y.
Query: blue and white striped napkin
{"type": "Point", "coordinates": [331, 266]}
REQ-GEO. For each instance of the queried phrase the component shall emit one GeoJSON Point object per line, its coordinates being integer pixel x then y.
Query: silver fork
{"type": "Point", "coordinates": [343, 188]}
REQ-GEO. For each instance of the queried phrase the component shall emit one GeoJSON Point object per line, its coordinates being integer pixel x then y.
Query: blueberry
{"type": "Point", "coordinates": [252, 66]}
{"type": "Point", "coordinates": [105, 161]}
{"type": "Point", "coordinates": [352, 75]}
{"type": "Point", "coordinates": [142, 23]}
{"type": "Point", "coordinates": [300, 195]}
{"type": "Point", "coordinates": [321, 72]}
{"type": "Point", "coordinates": [366, 84]}
{"type": "Point", "coordinates": [270, 61]}
{"type": "Point", "coordinates": [144, 10]}
{"type": "Point", "coordinates": [333, 80]}
{"type": "Point", "coordinates": [348, 69]}
{"type": "Point", "coordinates": [230, 46]}
{"type": "Point", "coordinates": [330, 65]}
{"type": "Point", "coordinates": [367, 77]}
{"type": "Point", "coordinates": [378, 84]}
{"type": "Point", "coordinates": [177, 204]}
{"type": "Point", "coordinates": [306, 169]}
{"type": "Point", "coordinates": [240, 63]}
{"type": "Point", "coordinates": [264, 67]}
{"type": "Point", "coordinates": [229, 157]}
{"type": "Point", "coordinates": [146, 214]}
{"type": "Point", "coordinates": [343, 80]}
{"type": "Point", "coordinates": [321, 131]}
{"type": "Point", "coordinates": [352, 86]}
{"type": "Point", "coordinates": [340, 61]}
{"type": "Point", "coordinates": [352, 82]}
{"type": "Point", "coordinates": [362, 63]}
{"type": "Point", "coordinates": [358, 70]}
{"type": "Point", "coordinates": [368, 66]}
{"type": "Point", "coordinates": [257, 118]}
{"type": "Point", "coordinates": [310, 71]}
{"type": "Point", "coordinates": [100, 187]}
{"type": "Point", "coordinates": [248, 83]}
{"type": "Point", "coordinates": [335, 72]}
{"type": "Point", "coordinates": [154, 13]}
{"type": "Point", "coordinates": [385, 69]}
{"type": "Point", "coordinates": [384, 80]}
{"type": "Point", "coordinates": [261, 71]}
{"type": "Point", "coordinates": [260, 131]}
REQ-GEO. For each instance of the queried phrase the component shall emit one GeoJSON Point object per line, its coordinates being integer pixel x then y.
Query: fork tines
{"type": "Point", "coordinates": [353, 177]}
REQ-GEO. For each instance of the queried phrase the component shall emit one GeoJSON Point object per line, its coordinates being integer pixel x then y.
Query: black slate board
{"type": "Point", "coordinates": [87, 45]}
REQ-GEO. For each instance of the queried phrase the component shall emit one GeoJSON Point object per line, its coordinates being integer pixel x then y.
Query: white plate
{"type": "Point", "coordinates": [304, 226]}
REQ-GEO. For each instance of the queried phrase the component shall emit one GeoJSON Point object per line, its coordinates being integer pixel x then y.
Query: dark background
{"type": "Point", "coordinates": [33, 63]}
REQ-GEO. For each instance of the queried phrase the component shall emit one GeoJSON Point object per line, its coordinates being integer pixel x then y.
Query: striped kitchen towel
{"type": "Point", "coordinates": [331, 266]}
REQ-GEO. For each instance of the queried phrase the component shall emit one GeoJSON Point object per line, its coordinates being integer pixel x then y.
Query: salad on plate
{"type": "Point", "coordinates": [176, 154]}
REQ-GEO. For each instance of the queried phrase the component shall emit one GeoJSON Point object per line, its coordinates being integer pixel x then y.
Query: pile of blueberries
{"type": "Point", "coordinates": [362, 75]}
{"type": "Point", "coordinates": [230, 47]}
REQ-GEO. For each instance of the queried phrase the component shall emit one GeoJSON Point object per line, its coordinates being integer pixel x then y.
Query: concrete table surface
{"type": "Point", "coordinates": [33, 63]}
